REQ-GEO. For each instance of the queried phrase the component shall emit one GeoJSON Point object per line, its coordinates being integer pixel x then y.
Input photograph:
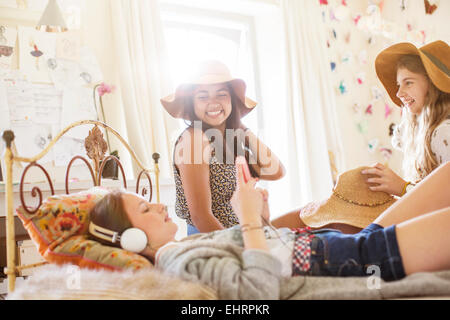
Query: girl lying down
{"type": "Point", "coordinates": [249, 261]}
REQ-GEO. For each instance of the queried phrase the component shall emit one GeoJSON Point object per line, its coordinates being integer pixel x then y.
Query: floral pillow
{"type": "Point", "coordinates": [60, 230]}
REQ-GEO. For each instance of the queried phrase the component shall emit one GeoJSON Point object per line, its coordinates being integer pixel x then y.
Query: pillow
{"type": "Point", "coordinates": [60, 230]}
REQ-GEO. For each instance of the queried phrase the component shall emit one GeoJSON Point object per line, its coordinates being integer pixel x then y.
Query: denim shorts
{"type": "Point", "coordinates": [191, 229]}
{"type": "Point", "coordinates": [374, 249]}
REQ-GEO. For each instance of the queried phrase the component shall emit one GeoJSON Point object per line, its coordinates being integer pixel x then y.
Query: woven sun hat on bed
{"type": "Point", "coordinates": [351, 203]}
{"type": "Point", "coordinates": [208, 72]}
{"type": "Point", "coordinates": [435, 57]}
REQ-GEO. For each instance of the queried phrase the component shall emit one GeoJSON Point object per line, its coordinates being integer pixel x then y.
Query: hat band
{"type": "Point", "coordinates": [438, 63]}
{"type": "Point", "coordinates": [376, 204]}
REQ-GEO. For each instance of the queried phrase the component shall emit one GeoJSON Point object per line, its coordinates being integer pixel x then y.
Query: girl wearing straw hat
{"type": "Point", "coordinates": [418, 80]}
{"type": "Point", "coordinates": [213, 103]}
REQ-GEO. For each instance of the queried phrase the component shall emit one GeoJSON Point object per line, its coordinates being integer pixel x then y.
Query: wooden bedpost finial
{"type": "Point", "coordinates": [8, 136]}
{"type": "Point", "coordinates": [155, 157]}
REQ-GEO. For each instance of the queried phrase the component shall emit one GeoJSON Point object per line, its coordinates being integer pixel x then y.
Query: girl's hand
{"type": "Point", "coordinates": [247, 202]}
{"type": "Point", "coordinates": [386, 179]}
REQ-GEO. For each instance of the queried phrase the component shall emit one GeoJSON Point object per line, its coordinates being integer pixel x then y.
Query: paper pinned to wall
{"type": "Point", "coordinates": [90, 69]}
{"type": "Point", "coordinates": [35, 50]}
{"type": "Point", "coordinates": [66, 148]}
{"type": "Point", "coordinates": [65, 73]}
{"type": "Point", "coordinates": [30, 140]}
{"type": "Point", "coordinates": [47, 103]}
{"type": "Point", "coordinates": [77, 104]}
{"type": "Point", "coordinates": [8, 38]}
{"type": "Point", "coordinates": [20, 101]}
{"type": "Point", "coordinates": [68, 45]}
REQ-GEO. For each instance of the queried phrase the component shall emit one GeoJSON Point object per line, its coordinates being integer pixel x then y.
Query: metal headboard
{"type": "Point", "coordinates": [96, 148]}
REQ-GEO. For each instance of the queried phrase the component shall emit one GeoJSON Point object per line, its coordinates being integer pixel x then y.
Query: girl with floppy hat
{"type": "Point", "coordinates": [418, 80]}
{"type": "Point", "coordinates": [213, 103]}
{"type": "Point", "coordinates": [250, 261]}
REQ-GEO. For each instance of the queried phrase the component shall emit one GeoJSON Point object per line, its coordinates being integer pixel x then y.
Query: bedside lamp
{"type": "Point", "coordinates": [52, 18]}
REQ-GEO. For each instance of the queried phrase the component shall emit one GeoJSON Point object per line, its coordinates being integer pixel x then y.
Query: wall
{"type": "Point", "coordinates": [96, 29]}
{"type": "Point", "coordinates": [366, 130]}
{"type": "Point", "coordinates": [94, 24]}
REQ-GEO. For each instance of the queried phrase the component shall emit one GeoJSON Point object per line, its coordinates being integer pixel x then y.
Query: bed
{"type": "Point", "coordinates": [120, 275]}
{"type": "Point", "coordinates": [96, 148]}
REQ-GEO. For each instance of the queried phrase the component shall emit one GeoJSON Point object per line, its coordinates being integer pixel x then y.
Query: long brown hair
{"type": "Point", "coordinates": [414, 132]}
{"type": "Point", "coordinates": [110, 213]}
{"type": "Point", "coordinates": [240, 146]}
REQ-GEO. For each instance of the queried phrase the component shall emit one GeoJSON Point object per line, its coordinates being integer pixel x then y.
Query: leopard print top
{"type": "Point", "coordinates": [222, 181]}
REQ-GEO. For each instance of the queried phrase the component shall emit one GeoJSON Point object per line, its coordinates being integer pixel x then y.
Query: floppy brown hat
{"type": "Point", "coordinates": [351, 203]}
{"type": "Point", "coordinates": [209, 72]}
{"type": "Point", "coordinates": [435, 57]}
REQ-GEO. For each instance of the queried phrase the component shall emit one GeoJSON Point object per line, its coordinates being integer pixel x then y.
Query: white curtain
{"type": "Point", "coordinates": [141, 63]}
{"type": "Point", "coordinates": [312, 121]}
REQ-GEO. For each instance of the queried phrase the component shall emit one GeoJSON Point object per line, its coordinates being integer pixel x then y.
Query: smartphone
{"type": "Point", "coordinates": [245, 169]}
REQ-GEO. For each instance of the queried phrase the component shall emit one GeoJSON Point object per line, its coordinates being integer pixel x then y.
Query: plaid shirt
{"type": "Point", "coordinates": [301, 256]}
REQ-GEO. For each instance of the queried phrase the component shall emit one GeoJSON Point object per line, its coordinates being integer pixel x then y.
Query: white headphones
{"type": "Point", "coordinates": [132, 239]}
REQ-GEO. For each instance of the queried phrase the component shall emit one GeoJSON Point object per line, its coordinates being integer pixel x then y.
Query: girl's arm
{"type": "Point", "coordinates": [249, 275]}
{"type": "Point", "coordinates": [248, 204]}
{"type": "Point", "coordinates": [267, 165]}
{"type": "Point", "coordinates": [194, 173]}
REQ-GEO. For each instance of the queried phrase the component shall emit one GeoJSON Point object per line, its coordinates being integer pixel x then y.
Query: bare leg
{"type": "Point", "coordinates": [289, 220]}
{"type": "Point", "coordinates": [292, 220]}
{"type": "Point", "coordinates": [429, 195]}
{"type": "Point", "coordinates": [424, 242]}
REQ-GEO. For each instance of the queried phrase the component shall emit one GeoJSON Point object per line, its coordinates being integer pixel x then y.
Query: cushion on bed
{"type": "Point", "coordinates": [60, 230]}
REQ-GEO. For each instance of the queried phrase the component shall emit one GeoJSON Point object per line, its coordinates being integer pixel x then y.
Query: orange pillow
{"type": "Point", "coordinates": [60, 230]}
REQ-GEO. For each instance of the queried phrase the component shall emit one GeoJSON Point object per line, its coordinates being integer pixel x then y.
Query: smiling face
{"type": "Point", "coordinates": [212, 104]}
{"type": "Point", "coordinates": [412, 89]}
{"type": "Point", "coordinates": [151, 218]}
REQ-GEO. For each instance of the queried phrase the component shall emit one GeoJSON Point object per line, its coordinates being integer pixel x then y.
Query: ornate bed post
{"type": "Point", "coordinates": [155, 157]}
{"type": "Point", "coordinates": [10, 269]}
{"type": "Point", "coordinates": [96, 148]}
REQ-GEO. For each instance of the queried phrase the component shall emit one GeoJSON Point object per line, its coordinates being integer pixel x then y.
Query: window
{"type": "Point", "coordinates": [194, 35]}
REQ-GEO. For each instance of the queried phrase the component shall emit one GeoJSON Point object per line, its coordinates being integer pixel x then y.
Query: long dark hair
{"type": "Point", "coordinates": [110, 213]}
{"type": "Point", "coordinates": [240, 146]}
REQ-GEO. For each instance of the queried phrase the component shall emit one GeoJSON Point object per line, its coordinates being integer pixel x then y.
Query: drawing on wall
{"type": "Point", "coordinates": [35, 49]}
{"type": "Point", "coordinates": [36, 53]}
{"type": "Point", "coordinates": [7, 44]}
{"type": "Point", "coordinates": [68, 45]}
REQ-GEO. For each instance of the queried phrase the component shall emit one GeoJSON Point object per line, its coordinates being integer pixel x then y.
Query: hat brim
{"type": "Point", "coordinates": [336, 210]}
{"type": "Point", "coordinates": [175, 103]}
{"type": "Point", "coordinates": [386, 67]}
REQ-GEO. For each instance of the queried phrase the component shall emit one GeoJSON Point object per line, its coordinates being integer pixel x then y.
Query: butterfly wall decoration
{"type": "Point", "coordinates": [430, 8]}
{"type": "Point", "coordinates": [387, 110]}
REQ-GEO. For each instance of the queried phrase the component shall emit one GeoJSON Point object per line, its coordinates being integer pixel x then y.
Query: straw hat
{"type": "Point", "coordinates": [435, 57]}
{"type": "Point", "coordinates": [351, 203]}
{"type": "Point", "coordinates": [209, 72]}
